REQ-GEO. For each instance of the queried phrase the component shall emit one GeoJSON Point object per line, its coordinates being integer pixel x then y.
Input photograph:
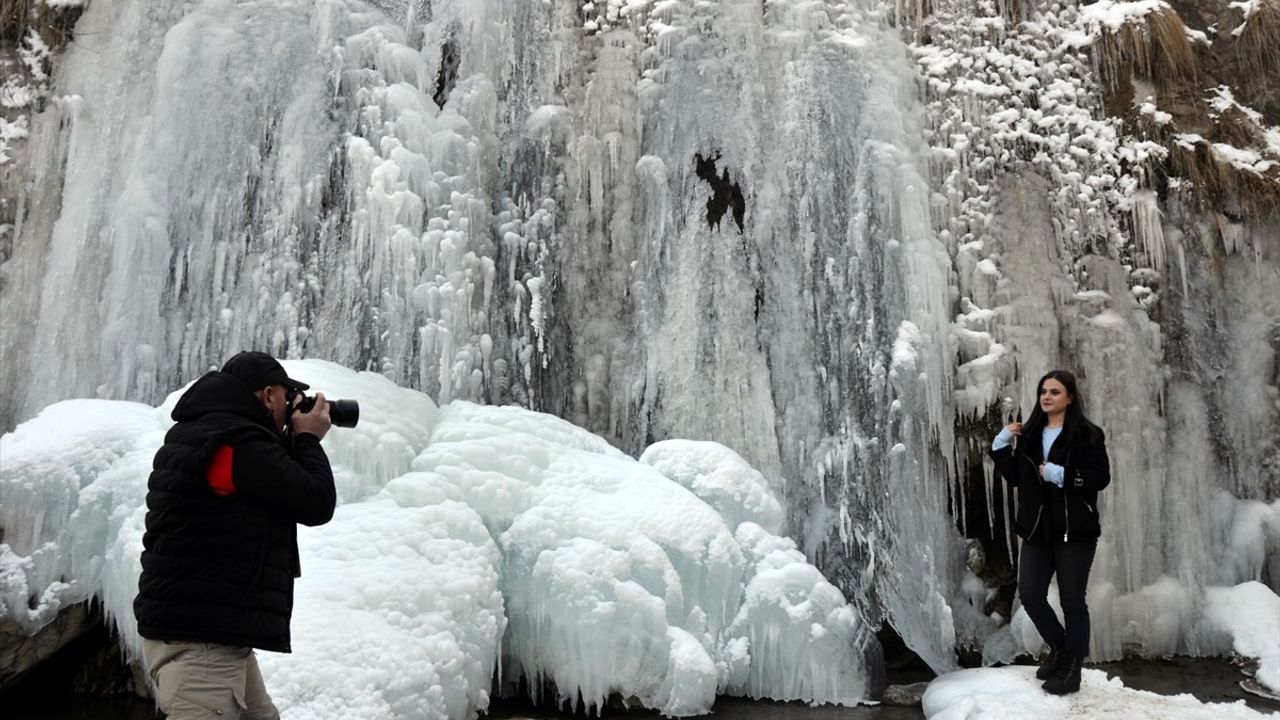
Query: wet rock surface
{"type": "Point", "coordinates": [80, 674]}
{"type": "Point", "coordinates": [1214, 680]}
{"type": "Point", "coordinates": [905, 695]}
{"type": "Point", "coordinates": [20, 653]}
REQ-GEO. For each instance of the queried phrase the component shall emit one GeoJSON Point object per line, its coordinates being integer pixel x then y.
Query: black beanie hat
{"type": "Point", "coordinates": [258, 370]}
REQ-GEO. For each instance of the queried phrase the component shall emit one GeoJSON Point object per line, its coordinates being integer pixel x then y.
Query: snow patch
{"type": "Point", "coordinates": [1250, 614]}
{"type": "Point", "coordinates": [1014, 692]}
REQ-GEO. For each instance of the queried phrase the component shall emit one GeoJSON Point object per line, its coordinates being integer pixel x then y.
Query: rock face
{"type": "Point", "coordinates": [76, 653]}
{"type": "Point", "coordinates": [30, 35]}
{"type": "Point", "coordinates": [19, 653]}
{"type": "Point", "coordinates": [1232, 57]}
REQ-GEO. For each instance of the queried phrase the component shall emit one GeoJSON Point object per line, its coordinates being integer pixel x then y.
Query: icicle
{"type": "Point", "coordinates": [1149, 228]}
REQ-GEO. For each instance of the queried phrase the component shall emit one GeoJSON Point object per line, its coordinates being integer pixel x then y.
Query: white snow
{"type": "Point", "coordinates": [467, 537]}
{"type": "Point", "coordinates": [720, 477]}
{"type": "Point", "coordinates": [1013, 692]}
{"type": "Point", "coordinates": [1250, 614]}
{"type": "Point", "coordinates": [1243, 158]}
{"type": "Point", "coordinates": [1247, 8]}
{"type": "Point", "coordinates": [1111, 14]}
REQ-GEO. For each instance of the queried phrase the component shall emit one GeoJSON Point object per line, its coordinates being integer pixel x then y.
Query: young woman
{"type": "Point", "coordinates": [1058, 461]}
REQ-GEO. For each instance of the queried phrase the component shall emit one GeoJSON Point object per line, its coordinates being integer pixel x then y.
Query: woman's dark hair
{"type": "Point", "coordinates": [1074, 423]}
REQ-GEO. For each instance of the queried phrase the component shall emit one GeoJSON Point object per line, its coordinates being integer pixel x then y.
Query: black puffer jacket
{"type": "Point", "coordinates": [1046, 512]}
{"type": "Point", "coordinates": [219, 568]}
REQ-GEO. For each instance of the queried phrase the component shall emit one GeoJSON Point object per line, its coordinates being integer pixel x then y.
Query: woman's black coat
{"type": "Point", "coordinates": [1046, 512]}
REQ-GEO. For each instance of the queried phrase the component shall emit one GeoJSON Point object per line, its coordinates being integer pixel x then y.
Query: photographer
{"type": "Point", "coordinates": [220, 552]}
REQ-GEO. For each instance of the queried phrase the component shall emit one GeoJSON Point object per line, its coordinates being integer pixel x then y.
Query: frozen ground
{"type": "Point", "coordinates": [1013, 692]}
{"type": "Point", "coordinates": [1212, 680]}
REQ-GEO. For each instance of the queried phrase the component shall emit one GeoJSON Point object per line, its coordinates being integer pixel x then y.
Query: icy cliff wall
{"type": "Point", "coordinates": [1111, 174]}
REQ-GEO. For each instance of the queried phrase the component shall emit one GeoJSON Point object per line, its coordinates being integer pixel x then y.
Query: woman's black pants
{"type": "Point", "coordinates": [1071, 562]}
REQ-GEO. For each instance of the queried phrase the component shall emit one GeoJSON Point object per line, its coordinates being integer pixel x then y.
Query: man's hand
{"type": "Point", "coordinates": [316, 422]}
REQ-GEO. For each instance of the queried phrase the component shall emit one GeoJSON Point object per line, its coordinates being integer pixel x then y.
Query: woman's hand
{"type": "Point", "coordinates": [1051, 473]}
{"type": "Point", "coordinates": [1006, 436]}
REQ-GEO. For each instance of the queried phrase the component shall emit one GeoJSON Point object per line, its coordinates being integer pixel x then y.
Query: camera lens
{"type": "Point", "coordinates": [344, 413]}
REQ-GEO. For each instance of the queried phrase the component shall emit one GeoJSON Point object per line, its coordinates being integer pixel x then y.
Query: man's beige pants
{"type": "Point", "coordinates": [204, 681]}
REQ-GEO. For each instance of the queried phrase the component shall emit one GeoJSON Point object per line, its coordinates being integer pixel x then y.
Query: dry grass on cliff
{"type": "Point", "coordinates": [1158, 50]}
{"type": "Point", "coordinates": [54, 24]}
{"type": "Point", "coordinates": [1233, 127]}
{"type": "Point", "coordinates": [14, 18]}
{"type": "Point", "coordinates": [1259, 42]}
{"type": "Point", "coordinates": [1220, 184]}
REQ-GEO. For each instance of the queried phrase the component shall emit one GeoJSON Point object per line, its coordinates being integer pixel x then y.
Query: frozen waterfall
{"type": "Point", "coordinates": [654, 219]}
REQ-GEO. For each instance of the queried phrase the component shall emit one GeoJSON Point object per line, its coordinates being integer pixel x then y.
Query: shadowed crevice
{"type": "Point", "coordinates": [448, 75]}
{"type": "Point", "coordinates": [725, 194]}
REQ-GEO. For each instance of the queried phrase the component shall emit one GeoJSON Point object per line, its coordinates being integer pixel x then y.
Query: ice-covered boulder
{"type": "Point", "coordinates": [470, 541]}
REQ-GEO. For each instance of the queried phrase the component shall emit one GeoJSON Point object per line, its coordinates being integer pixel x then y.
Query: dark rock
{"type": "Point", "coordinates": [726, 194]}
{"type": "Point", "coordinates": [75, 654]}
{"type": "Point", "coordinates": [905, 695]}
{"type": "Point", "coordinates": [19, 652]}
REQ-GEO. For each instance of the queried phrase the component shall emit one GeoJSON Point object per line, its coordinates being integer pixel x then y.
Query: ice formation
{"type": "Point", "coordinates": [468, 540]}
{"type": "Point", "coordinates": [489, 202]}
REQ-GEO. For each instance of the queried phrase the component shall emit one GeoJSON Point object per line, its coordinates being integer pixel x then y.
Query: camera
{"type": "Point", "coordinates": [343, 413]}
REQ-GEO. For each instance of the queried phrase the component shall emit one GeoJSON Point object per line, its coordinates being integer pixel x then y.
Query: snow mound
{"type": "Point", "coordinates": [397, 615]}
{"type": "Point", "coordinates": [471, 541]}
{"type": "Point", "coordinates": [71, 480]}
{"type": "Point", "coordinates": [719, 476]}
{"type": "Point", "coordinates": [1250, 614]}
{"type": "Point", "coordinates": [1014, 692]}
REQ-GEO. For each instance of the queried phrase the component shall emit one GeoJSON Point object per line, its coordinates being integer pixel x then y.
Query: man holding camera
{"type": "Point", "coordinates": [220, 552]}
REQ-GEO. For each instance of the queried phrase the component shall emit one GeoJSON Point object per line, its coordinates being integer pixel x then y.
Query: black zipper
{"type": "Point", "coordinates": [1066, 506]}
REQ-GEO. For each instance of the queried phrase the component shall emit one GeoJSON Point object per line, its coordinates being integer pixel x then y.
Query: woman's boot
{"type": "Point", "coordinates": [1067, 679]}
{"type": "Point", "coordinates": [1052, 663]}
